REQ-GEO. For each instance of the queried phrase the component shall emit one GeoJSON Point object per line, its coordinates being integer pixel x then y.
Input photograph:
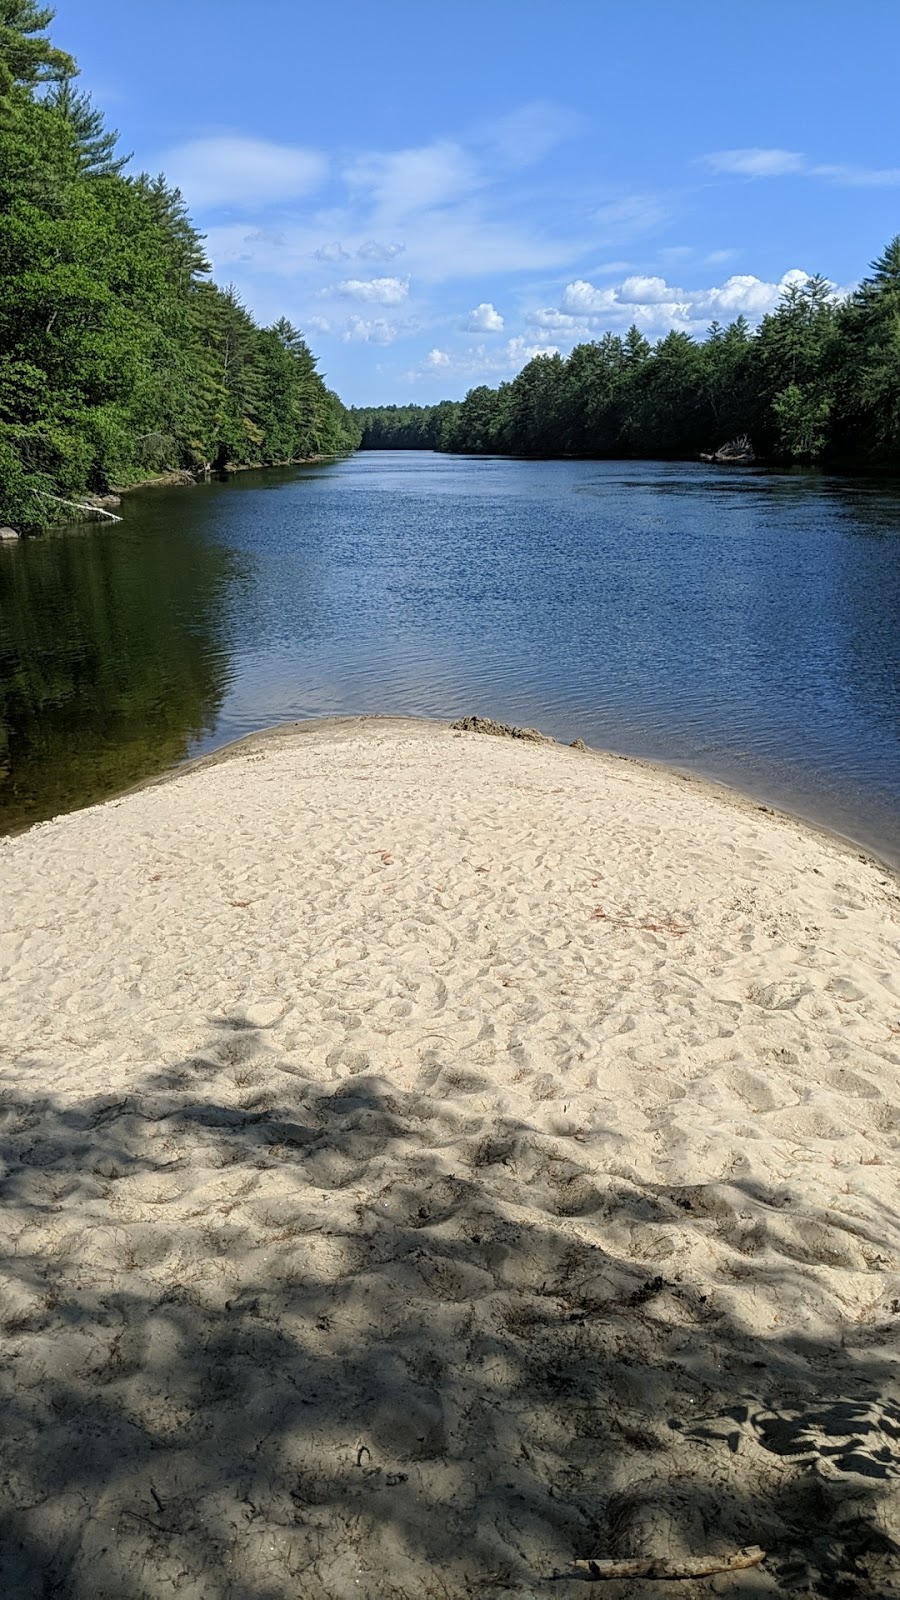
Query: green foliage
{"type": "Point", "coordinates": [802, 413]}
{"type": "Point", "coordinates": [818, 381]}
{"type": "Point", "coordinates": [404, 427]}
{"type": "Point", "coordinates": [96, 144]}
{"type": "Point", "coordinates": [27, 57]}
{"type": "Point", "coordinates": [869, 381]}
{"type": "Point", "coordinates": [119, 357]}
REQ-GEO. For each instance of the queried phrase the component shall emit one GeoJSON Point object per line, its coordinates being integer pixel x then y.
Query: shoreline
{"type": "Point", "coordinates": [433, 1159]}
{"type": "Point", "coordinates": [280, 731]}
{"type": "Point", "coordinates": [184, 478]}
{"type": "Point", "coordinates": [248, 742]}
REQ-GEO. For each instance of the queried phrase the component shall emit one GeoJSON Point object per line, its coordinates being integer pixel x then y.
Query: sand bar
{"type": "Point", "coordinates": [430, 1159]}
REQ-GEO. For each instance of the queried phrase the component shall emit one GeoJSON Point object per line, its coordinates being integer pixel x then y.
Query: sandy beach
{"type": "Point", "coordinates": [430, 1159]}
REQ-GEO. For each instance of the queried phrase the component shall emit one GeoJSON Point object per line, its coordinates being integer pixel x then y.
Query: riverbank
{"type": "Point", "coordinates": [90, 505]}
{"type": "Point", "coordinates": [181, 477]}
{"type": "Point", "coordinates": [432, 1158]}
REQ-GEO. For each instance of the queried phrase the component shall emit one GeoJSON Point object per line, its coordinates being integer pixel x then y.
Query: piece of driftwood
{"type": "Point", "coordinates": [686, 1567]}
{"type": "Point", "coordinates": [739, 452]}
{"type": "Point", "coordinates": [79, 505]}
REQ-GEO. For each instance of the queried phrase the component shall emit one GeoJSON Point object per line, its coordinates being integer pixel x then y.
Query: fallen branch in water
{"type": "Point", "coordinates": [662, 1567]}
{"type": "Point", "coordinates": [79, 505]}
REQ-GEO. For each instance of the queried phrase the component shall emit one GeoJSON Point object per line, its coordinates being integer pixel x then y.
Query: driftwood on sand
{"type": "Point", "coordinates": [661, 1567]}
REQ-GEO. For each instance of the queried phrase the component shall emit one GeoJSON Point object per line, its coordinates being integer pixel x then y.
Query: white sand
{"type": "Point", "coordinates": [429, 1158]}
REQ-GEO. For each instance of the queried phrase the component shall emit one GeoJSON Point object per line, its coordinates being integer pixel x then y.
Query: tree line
{"type": "Point", "coordinates": [819, 380]}
{"type": "Point", "coordinates": [119, 358]}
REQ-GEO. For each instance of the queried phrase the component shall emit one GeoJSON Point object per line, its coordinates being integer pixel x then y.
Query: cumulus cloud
{"type": "Point", "coordinates": [656, 305]}
{"type": "Point", "coordinates": [373, 291]}
{"type": "Point", "coordinates": [241, 172]}
{"type": "Point", "coordinates": [519, 351]}
{"type": "Point", "coordinates": [266, 236]}
{"type": "Point", "coordinates": [332, 252]}
{"type": "Point", "coordinates": [548, 323]}
{"type": "Point", "coordinates": [481, 361]}
{"type": "Point", "coordinates": [746, 295]}
{"type": "Point", "coordinates": [585, 299]}
{"type": "Point", "coordinates": [371, 250]}
{"type": "Point", "coordinates": [484, 319]}
{"type": "Point", "coordinates": [551, 318]}
{"type": "Point", "coordinates": [762, 163]}
{"type": "Point", "coordinates": [644, 291]}
{"type": "Point", "coordinates": [362, 330]}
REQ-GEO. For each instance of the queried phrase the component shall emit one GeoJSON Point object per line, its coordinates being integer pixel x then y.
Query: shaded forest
{"type": "Point", "coordinates": [119, 358]}
{"type": "Point", "coordinates": [819, 380]}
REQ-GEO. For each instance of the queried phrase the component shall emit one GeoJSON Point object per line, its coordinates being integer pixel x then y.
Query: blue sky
{"type": "Point", "coordinates": [434, 193]}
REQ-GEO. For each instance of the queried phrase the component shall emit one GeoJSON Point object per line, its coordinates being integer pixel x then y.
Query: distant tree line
{"type": "Point", "coordinates": [817, 381]}
{"type": "Point", "coordinates": [119, 359]}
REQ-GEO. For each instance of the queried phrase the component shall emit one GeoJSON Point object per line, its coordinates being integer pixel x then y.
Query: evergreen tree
{"type": "Point", "coordinates": [118, 356]}
{"type": "Point", "coordinates": [95, 143]}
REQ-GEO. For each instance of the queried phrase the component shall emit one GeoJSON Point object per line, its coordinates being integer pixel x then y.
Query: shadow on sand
{"type": "Point", "coordinates": [337, 1342]}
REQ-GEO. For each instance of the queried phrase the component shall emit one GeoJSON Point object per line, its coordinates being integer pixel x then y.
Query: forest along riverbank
{"type": "Point", "coordinates": [488, 1151]}
{"type": "Point", "coordinates": [816, 381]}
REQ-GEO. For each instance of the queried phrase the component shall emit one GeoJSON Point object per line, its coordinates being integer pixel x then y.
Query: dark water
{"type": "Point", "coordinates": [743, 624]}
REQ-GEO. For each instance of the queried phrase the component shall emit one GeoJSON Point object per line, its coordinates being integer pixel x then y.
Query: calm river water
{"type": "Point", "coordinates": [742, 624]}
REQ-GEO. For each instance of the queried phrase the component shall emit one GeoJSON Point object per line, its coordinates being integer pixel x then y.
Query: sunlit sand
{"type": "Point", "coordinates": [433, 1158]}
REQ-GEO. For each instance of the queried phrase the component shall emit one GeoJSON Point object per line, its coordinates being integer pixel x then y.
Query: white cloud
{"type": "Point", "coordinates": [859, 177]}
{"type": "Point", "coordinates": [586, 300]}
{"type": "Point", "coordinates": [360, 330]}
{"type": "Point", "coordinates": [480, 362]}
{"type": "Point", "coordinates": [762, 163]}
{"type": "Point", "coordinates": [484, 319]}
{"type": "Point", "coordinates": [242, 172]}
{"type": "Point", "coordinates": [373, 291]}
{"type": "Point", "coordinates": [332, 252]}
{"type": "Point", "coordinates": [402, 182]}
{"type": "Point", "coordinates": [371, 250]}
{"type": "Point", "coordinates": [757, 163]}
{"type": "Point", "coordinates": [656, 306]}
{"type": "Point", "coordinates": [631, 214]}
{"type": "Point", "coordinates": [604, 268]}
{"type": "Point", "coordinates": [445, 209]}
{"type": "Point", "coordinates": [530, 132]}
{"type": "Point", "coordinates": [266, 236]}
{"type": "Point", "coordinates": [644, 291]}
{"type": "Point", "coordinates": [557, 321]}
{"type": "Point", "coordinates": [519, 351]}
{"type": "Point", "coordinates": [446, 200]}
{"type": "Point", "coordinates": [746, 295]}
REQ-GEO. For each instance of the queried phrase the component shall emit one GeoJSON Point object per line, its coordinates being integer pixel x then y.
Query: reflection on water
{"type": "Point", "coordinates": [111, 664]}
{"type": "Point", "coordinates": [743, 624]}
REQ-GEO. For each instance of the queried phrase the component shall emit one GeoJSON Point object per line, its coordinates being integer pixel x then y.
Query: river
{"type": "Point", "coordinates": [744, 625]}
